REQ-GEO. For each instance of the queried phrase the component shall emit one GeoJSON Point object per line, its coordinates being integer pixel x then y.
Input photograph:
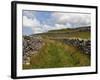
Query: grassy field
{"type": "Point", "coordinates": [57, 54]}
{"type": "Point", "coordinates": [67, 33]}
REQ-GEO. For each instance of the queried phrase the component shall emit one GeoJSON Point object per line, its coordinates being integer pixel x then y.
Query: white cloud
{"type": "Point", "coordinates": [59, 26]}
{"type": "Point", "coordinates": [46, 27]}
{"type": "Point", "coordinates": [34, 24]}
{"type": "Point", "coordinates": [72, 19]}
{"type": "Point", "coordinates": [36, 27]}
{"type": "Point", "coordinates": [55, 27]}
{"type": "Point", "coordinates": [29, 14]}
{"type": "Point", "coordinates": [62, 20]}
{"type": "Point", "coordinates": [37, 30]}
{"type": "Point", "coordinates": [27, 22]}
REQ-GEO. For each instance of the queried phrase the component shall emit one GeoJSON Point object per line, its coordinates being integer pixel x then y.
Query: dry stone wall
{"type": "Point", "coordinates": [84, 45]}
{"type": "Point", "coordinates": [31, 46]}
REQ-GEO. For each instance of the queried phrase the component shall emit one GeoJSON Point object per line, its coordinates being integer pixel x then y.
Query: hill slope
{"type": "Point", "coordinates": [83, 32]}
{"type": "Point", "coordinates": [56, 53]}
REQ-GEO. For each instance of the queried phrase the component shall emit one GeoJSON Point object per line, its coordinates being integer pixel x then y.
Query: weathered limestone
{"type": "Point", "coordinates": [31, 46]}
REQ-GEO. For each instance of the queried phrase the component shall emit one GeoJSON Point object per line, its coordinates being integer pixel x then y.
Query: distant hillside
{"type": "Point", "coordinates": [71, 29]}
{"type": "Point", "coordinates": [81, 32]}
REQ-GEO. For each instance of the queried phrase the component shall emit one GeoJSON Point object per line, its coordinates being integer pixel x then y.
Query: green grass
{"type": "Point", "coordinates": [55, 54]}
{"type": "Point", "coordinates": [83, 35]}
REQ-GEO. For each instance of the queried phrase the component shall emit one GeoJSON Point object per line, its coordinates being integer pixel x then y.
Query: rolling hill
{"type": "Point", "coordinates": [59, 48]}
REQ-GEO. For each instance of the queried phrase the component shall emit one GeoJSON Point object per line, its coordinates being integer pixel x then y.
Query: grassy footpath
{"type": "Point", "coordinates": [56, 54]}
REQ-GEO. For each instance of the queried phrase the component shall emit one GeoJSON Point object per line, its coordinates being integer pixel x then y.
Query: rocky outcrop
{"type": "Point", "coordinates": [31, 46]}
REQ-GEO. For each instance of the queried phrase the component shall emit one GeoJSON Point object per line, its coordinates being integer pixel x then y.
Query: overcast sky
{"type": "Point", "coordinates": [35, 22]}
